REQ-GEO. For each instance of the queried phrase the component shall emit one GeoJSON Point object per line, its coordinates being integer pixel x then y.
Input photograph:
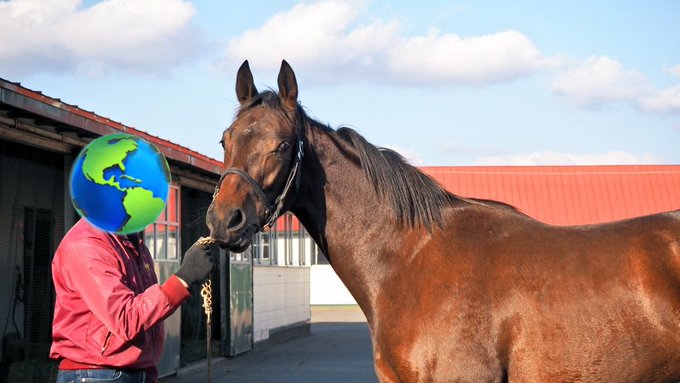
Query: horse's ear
{"type": "Point", "coordinates": [288, 89]}
{"type": "Point", "coordinates": [245, 86]}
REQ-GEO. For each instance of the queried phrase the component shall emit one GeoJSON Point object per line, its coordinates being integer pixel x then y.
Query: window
{"type": "Point", "coordinates": [302, 239]}
{"type": "Point", "coordinates": [162, 238]}
{"type": "Point", "coordinates": [286, 243]}
{"type": "Point", "coordinates": [260, 248]}
{"type": "Point", "coordinates": [318, 257]}
{"type": "Point", "coordinates": [287, 236]}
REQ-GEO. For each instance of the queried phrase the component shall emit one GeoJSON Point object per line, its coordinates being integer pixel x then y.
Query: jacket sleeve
{"type": "Point", "coordinates": [96, 272]}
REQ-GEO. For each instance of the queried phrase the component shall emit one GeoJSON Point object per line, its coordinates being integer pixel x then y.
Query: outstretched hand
{"type": "Point", "coordinates": [196, 265]}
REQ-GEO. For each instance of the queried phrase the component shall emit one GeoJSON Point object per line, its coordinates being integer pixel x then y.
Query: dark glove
{"type": "Point", "coordinates": [196, 265]}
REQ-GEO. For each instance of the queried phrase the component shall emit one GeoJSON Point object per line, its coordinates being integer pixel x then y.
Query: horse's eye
{"type": "Point", "coordinates": [283, 147]}
{"type": "Point", "coordinates": [222, 143]}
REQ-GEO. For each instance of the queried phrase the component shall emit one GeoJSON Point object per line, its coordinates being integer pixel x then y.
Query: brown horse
{"type": "Point", "coordinates": [454, 289]}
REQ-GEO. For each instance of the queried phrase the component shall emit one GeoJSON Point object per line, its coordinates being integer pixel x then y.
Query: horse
{"type": "Point", "coordinates": [454, 289]}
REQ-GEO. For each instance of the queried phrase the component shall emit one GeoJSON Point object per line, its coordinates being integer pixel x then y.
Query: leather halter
{"type": "Point", "coordinates": [273, 210]}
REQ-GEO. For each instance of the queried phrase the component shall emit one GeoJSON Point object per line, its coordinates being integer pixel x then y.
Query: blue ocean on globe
{"type": "Point", "coordinates": [119, 183]}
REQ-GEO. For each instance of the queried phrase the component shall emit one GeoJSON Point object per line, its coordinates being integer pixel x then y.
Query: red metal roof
{"type": "Point", "coordinates": [569, 195]}
{"type": "Point", "coordinates": [20, 97]}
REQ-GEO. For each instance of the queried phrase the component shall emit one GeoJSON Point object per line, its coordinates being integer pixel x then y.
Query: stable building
{"type": "Point", "coordinates": [259, 296]}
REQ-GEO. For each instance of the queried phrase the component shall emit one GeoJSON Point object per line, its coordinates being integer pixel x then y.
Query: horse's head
{"type": "Point", "coordinates": [262, 155]}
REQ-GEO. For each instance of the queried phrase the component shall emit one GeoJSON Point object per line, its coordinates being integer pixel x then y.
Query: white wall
{"type": "Point", "coordinates": [327, 289]}
{"type": "Point", "coordinates": [280, 298]}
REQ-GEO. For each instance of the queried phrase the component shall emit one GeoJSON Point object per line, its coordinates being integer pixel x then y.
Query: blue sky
{"type": "Point", "coordinates": [442, 82]}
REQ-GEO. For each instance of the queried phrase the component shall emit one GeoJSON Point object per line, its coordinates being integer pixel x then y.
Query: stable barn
{"type": "Point", "coordinates": [40, 136]}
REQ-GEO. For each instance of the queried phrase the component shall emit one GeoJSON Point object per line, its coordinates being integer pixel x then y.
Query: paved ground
{"type": "Point", "coordinates": [337, 351]}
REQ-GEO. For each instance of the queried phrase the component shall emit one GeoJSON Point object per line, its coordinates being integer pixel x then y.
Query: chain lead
{"type": "Point", "coordinates": [206, 293]}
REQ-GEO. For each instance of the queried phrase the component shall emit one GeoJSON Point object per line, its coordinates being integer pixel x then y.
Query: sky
{"type": "Point", "coordinates": [445, 83]}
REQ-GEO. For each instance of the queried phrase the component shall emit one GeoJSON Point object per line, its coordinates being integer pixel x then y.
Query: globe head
{"type": "Point", "coordinates": [119, 183]}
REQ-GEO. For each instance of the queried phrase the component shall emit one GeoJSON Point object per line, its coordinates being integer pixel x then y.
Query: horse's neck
{"type": "Point", "coordinates": [341, 211]}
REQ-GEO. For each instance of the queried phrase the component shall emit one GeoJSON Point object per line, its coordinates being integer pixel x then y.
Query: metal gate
{"type": "Point", "coordinates": [238, 336]}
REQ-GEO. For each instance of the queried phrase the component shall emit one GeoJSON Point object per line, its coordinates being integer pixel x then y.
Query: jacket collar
{"type": "Point", "coordinates": [130, 241]}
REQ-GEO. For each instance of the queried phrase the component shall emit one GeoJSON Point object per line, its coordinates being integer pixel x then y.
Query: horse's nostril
{"type": "Point", "coordinates": [236, 220]}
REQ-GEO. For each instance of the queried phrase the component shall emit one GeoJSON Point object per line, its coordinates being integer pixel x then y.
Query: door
{"type": "Point", "coordinates": [240, 295]}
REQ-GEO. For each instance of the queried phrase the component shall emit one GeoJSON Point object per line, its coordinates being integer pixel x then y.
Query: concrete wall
{"type": "Point", "coordinates": [281, 300]}
{"type": "Point", "coordinates": [327, 289]}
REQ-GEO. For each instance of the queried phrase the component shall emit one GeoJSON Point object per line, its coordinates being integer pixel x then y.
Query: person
{"type": "Point", "coordinates": [109, 308]}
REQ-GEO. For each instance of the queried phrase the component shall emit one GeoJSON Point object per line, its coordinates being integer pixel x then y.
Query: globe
{"type": "Point", "coordinates": [119, 183]}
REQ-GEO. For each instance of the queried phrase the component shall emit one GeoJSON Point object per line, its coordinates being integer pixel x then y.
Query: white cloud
{"type": "Point", "coordinates": [665, 101]}
{"type": "Point", "coordinates": [675, 71]}
{"type": "Point", "coordinates": [332, 43]}
{"type": "Point", "coordinates": [600, 81]}
{"type": "Point", "coordinates": [55, 35]}
{"type": "Point", "coordinates": [450, 58]}
{"type": "Point", "coordinates": [304, 32]}
{"type": "Point", "coordinates": [556, 158]}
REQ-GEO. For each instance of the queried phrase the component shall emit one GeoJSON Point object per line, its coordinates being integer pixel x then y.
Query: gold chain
{"type": "Point", "coordinates": [206, 241]}
{"type": "Point", "coordinates": [206, 293]}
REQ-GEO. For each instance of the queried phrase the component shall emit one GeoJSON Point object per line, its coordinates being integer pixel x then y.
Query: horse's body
{"type": "Point", "coordinates": [455, 289]}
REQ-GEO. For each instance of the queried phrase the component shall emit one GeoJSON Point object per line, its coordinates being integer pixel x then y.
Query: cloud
{"type": "Point", "coordinates": [64, 35]}
{"type": "Point", "coordinates": [675, 71]}
{"type": "Point", "coordinates": [556, 158]}
{"type": "Point", "coordinates": [451, 59]}
{"type": "Point", "coordinates": [332, 42]}
{"type": "Point", "coordinates": [601, 81]}
{"type": "Point", "coordinates": [665, 101]}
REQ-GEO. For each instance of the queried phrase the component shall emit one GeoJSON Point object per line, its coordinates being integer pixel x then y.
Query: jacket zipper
{"type": "Point", "coordinates": [106, 342]}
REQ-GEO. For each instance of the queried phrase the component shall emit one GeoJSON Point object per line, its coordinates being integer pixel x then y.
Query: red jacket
{"type": "Point", "coordinates": [109, 306]}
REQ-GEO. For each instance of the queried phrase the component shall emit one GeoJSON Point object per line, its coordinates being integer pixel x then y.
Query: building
{"type": "Point", "coordinates": [570, 195]}
{"type": "Point", "coordinates": [40, 136]}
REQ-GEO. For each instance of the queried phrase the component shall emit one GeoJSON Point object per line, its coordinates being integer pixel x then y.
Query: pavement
{"type": "Point", "coordinates": [338, 350]}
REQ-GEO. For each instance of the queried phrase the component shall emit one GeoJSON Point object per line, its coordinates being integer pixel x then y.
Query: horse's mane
{"type": "Point", "coordinates": [417, 199]}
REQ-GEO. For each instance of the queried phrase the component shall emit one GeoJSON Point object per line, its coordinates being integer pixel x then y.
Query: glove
{"type": "Point", "coordinates": [196, 265]}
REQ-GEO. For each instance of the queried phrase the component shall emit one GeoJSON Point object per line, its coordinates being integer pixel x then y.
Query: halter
{"type": "Point", "coordinates": [273, 210]}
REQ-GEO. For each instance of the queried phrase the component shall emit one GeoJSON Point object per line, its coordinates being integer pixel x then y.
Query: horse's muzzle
{"type": "Point", "coordinates": [231, 231]}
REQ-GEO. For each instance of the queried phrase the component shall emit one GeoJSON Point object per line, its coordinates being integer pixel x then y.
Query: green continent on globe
{"type": "Point", "coordinates": [104, 154]}
{"type": "Point", "coordinates": [142, 207]}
